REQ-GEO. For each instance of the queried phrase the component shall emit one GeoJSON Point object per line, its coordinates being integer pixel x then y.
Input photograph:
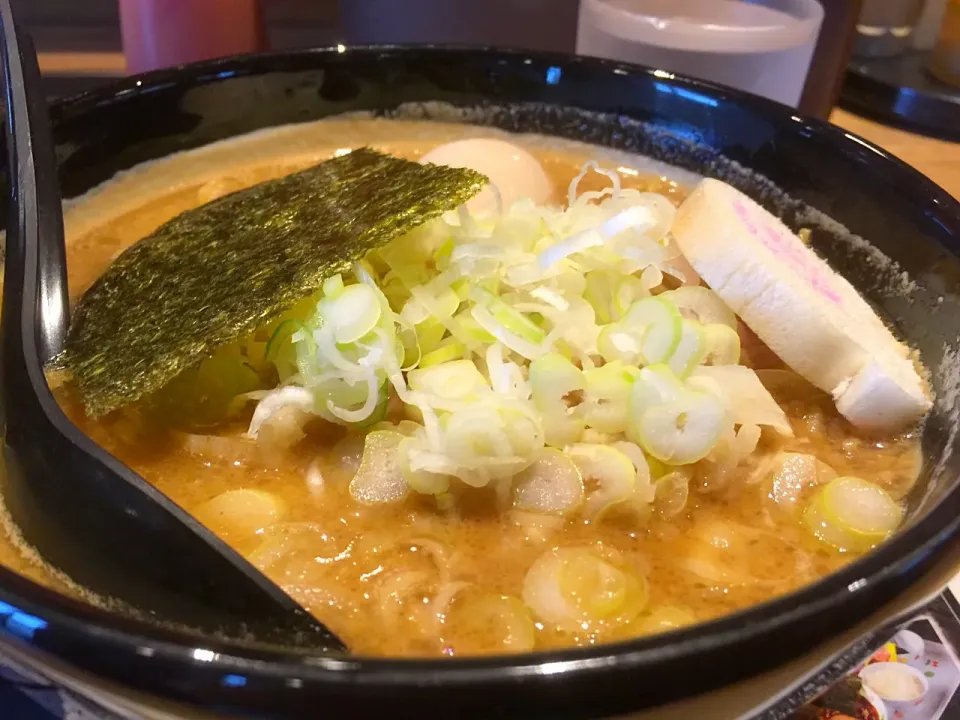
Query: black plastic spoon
{"type": "Point", "coordinates": [83, 510]}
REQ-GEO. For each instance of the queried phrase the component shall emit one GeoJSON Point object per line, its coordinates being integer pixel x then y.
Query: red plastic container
{"type": "Point", "coordinates": [163, 33]}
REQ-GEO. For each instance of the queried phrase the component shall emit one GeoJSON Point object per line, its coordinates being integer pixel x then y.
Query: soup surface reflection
{"type": "Point", "coordinates": [410, 579]}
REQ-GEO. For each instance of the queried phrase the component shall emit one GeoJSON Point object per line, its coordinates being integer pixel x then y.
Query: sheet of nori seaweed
{"type": "Point", "coordinates": [216, 272]}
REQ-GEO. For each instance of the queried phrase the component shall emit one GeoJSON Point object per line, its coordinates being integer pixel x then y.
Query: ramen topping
{"type": "Point", "coordinates": [505, 430]}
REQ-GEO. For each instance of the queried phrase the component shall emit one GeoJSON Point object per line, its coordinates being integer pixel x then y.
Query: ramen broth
{"type": "Point", "coordinates": [409, 579]}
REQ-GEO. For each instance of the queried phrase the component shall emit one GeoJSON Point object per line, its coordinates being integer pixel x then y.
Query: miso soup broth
{"type": "Point", "coordinates": [475, 570]}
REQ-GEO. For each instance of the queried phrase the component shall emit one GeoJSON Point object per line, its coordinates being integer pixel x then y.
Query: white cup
{"type": "Point", "coordinates": [870, 675]}
{"type": "Point", "coordinates": [909, 641]}
{"type": "Point", "coordinates": [761, 46]}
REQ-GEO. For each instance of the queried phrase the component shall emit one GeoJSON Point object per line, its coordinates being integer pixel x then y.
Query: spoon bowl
{"type": "Point", "coordinates": [138, 549]}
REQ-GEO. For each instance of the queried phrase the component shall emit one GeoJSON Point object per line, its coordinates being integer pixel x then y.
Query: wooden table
{"type": "Point", "coordinates": [939, 160]}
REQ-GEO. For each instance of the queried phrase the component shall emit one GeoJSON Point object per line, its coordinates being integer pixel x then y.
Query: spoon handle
{"type": "Point", "coordinates": [30, 145]}
{"type": "Point", "coordinates": [81, 509]}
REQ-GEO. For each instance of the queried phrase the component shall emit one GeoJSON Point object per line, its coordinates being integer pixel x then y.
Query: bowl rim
{"type": "Point", "coordinates": [918, 543]}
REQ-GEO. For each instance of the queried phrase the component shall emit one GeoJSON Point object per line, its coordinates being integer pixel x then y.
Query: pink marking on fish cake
{"type": "Point", "coordinates": [787, 248]}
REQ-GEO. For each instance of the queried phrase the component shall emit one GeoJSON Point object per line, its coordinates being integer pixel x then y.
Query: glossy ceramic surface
{"type": "Point", "coordinates": [803, 170]}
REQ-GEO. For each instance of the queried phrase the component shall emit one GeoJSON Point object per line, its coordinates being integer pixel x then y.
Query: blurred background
{"type": "Point", "coordinates": [893, 60]}
{"type": "Point", "coordinates": [80, 41]}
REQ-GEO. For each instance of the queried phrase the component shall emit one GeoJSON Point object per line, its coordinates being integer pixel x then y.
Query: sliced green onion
{"type": "Point", "coordinates": [671, 492]}
{"type": "Point", "coordinates": [680, 431]}
{"type": "Point", "coordinates": [722, 345]}
{"type": "Point", "coordinates": [518, 324]}
{"type": "Point", "coordinates": [550, 485]}
{"type": "Point", "coordinates": [456, 380]}
{"type": "Point", "coordinates": [276, 401]}
{"type": "Point", "coordinates": [607, 392]}
{"type": "Point", "coordinates": [621, 343]}
{"type": "Point", "coordinates": [601, 590]}
{"type": "Point", "coordinates": [379, 479]}
{"type": "Point", "coordinates": [748, 401]}
{"type": "Point", "coordinates": [473, 622]}
{"type": "Point", "coordinates": [611, 469]}
{"type": "Point", "coordinates": [486, 442]}
{"type": "Point", "coordinates": [281, 334]}
{"type": "Point", "coordinates": [443, 306]}
{"type": "Point", "coordinates": [702, 304]}
{"type": "Point", "coordinates": [461, 289]}
{"type": "Point", "coordinates": [572, 589]}
{"type": "Point", "coordinates": [557, 386]}
{"type": "Point", "coordinates": [663, 328]}
{"type": "Point", "coordinates": [441, 258]}
{"type": "Point", "coordinates": [452, 324]}
{"type": "Point", "coordinates": [628, 290]}
{"type": "Point", "coordinates": [514, 342]}
{"type": "Point", "coordinates": [281, 350]}
{"type": "Point", "coordinates": [657, 468]}
{"type": "Point", "coordinates": [795, 474]}
{"type": "Point", "coordinates": [852, 514]}
{"type": "Point", "coordinates": [643, 487]}
{"type": "Point", "coordinates": [421, 481]}
{"type": "Point", "coordinates": [430, 334]}
{"type": "Point", "coordinates": [654, 385]}
{"type": "Point", "coordinates": [481, 328]}
{"type": "Point", "coordinates": [511, 320]}
{"type": "Point", "coordinates": [239, 514]}
{"type": "Point", "coordinates": [524, 432]}
{"type": "Point", "coordinates": [333, 286]}
{"type": "Point", "coordinates": [309, 364]}
{"type": "Point", "coordinates": [599, 294]}
{"type": "Point", "coordinates": [471, 329]}
{"type": "Point", "coordinates": [690, 351]}
{"type": "Point", "coordinates": [408, 427]}
{"type": "Point", "coordinates": [448, 351]}
{"type": "Point", "coordinates": [353, 313]}
{"type": "Point", "coordinates": [551, 297]}
{"type": "Point", "coordinates": [340, 397]}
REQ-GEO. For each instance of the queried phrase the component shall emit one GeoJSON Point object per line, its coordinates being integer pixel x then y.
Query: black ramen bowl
{"type": "Point", "coordinates": [860, 202]}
